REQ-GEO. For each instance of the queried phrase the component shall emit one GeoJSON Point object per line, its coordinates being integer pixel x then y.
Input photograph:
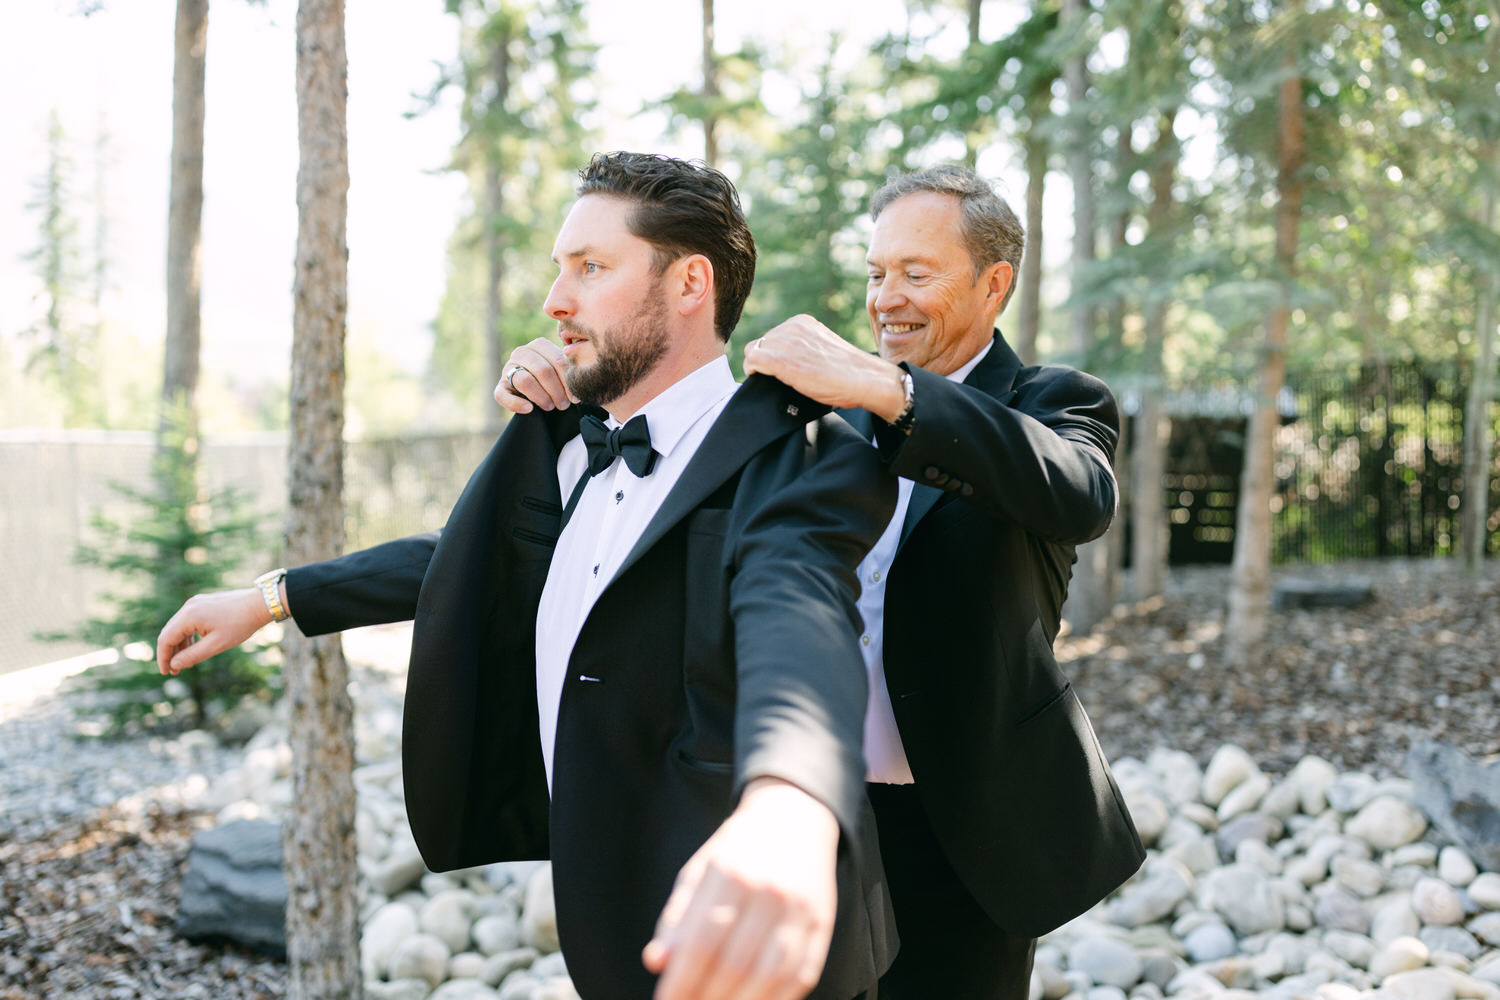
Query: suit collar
{"type": "Point", "coordinates": [761, 411]}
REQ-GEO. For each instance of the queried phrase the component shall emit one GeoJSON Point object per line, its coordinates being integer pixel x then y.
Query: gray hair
{"type": "Point", "coordinates": [991, 232]}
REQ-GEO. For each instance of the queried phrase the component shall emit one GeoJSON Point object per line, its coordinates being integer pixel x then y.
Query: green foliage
{"type": "Point", "coordinates": [807, 186]}
{"type": "Point", "coordinates": [183, 541]}
{"type": "Point", "coordinates": [523, 75]}
{"type": "Point", "coordinates": [63, 345]}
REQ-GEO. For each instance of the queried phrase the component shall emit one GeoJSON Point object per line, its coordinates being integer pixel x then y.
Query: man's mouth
{"type": "Point", "coordinates": [570, 337]}
{"type": "Point", "coordinates": [899, 328]}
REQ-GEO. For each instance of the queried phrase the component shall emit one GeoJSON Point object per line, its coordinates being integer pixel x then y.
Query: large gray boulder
{"type": "Point", "coordinates": [234, 889]}
{"type": "Point", "coordinates": [1461, 796]}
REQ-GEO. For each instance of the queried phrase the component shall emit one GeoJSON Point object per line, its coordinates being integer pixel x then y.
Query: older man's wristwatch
{"type": "Point", "coordinates": [908, 413]}
{"type": "Point", "coordinates": [270, 589]}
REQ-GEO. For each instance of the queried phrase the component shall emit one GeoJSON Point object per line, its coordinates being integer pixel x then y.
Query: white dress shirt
{"type": "Point", "coordinates": [611, 514]}
{"type": "Point", "coordinates": [885, 757]}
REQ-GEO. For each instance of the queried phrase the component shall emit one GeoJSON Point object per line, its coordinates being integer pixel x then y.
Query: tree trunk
{"type": "Point", "coordinates": [1148, 513]}
{"type": "Point", "coordinates": [1081, 169]}
{"type": "Point", "coordinates": [1250, 585]}
{"type": "Point", "coordinates": [1114, 316]}
{"type": "Point", "coordinates": [1477, 443]}
{"type": "Point", "coordinates": [1030, 292]}
{"type": "Point", "coordinates": [322, 912]}
{"type": "Point", "coordinates": [1089, 600]}
{"type": "Point", "coordinates": [971, 138]}
{"type": "Point", "coordinates": [494, 183]}
{"type": "Point", "coordinates": [179, 384]}
{"type": "Point", "coordinates": [710, 88]}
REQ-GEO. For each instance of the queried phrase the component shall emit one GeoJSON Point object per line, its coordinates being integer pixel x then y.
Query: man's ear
{"type": "Point", "coordinates": [694, 281]}
{"type": "Point", "coordinates": [998, 277]}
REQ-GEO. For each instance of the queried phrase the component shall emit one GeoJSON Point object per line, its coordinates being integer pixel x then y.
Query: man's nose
{"type": "Point", "coordinates": [559, 305]}
{"type": "Point", "coordinates": [888, 295]}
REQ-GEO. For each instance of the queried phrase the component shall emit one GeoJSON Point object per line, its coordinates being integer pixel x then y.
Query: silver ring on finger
{"type": "Point", "coordinates": [510, 380]}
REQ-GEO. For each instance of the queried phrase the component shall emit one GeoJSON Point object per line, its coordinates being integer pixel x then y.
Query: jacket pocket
{"type": "Point", "coordinates": [1050, 702]}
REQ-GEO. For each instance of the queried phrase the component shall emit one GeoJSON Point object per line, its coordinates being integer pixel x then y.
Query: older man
{"type": "Point", "coordinates": [998, 817]}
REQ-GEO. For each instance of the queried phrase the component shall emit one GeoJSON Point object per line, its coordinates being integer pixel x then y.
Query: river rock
{"type": "Point", "coordinates": [1150, 815]}
{"type": "Point", "coordinates": [388, 927]}
{"type": "Point", "coordinates": [1356, 949]}
{"type": "Point", "coordinates": [448, 916]}
{"type": "Point", "coordinates": [539, 915]}
{"type": "Point", "coordinates": [1335, 909]}
{"type": "Point", "coordinates": [1485, 890]}
{"type": "Point", "coordinates": [1436, 902]}
{"type": "Point", "coordinates": [1249, 826]}
{"type": "Point", "coordinates": [1486, 927]}
{"type": "Point", "coordinates": [1245, 898]}
{"type": "Point", "coordinates": [1419, 984]}
{"type": "Point", "coordinates": [1244, 797]}
{"type": "Point", "coordinates": [502, 964]}
{"type": "Point", "coordinates": [1166, 884]}
{"type": "Point", "coordinates": [399, 989]}
{"type": "Point", "coordinates": [421, 956]}
{"type": "Point", "coordinates": [1106, 960]}
{"type": "Point", "coordinates": [1455, 867]}
{"type": "Point", "coordinates": [1360, 877]}
{"type": "Point", "coordinates": [496, 933]}
{"type": "Point", "coordinates": [1386, 823]}
{"type": "Point", "coordinates": [464, 989]}
{"type": "Point", "coordinates": [1400, 955]}
{"type": "Point", "coordinates": [1181, 777]}
{"type": "Point", "coordinates": [1393, 920]}
{"type": "Point", "coordinates": [1227, 769]}
{"type": "Point", "coordinates": [1454, 940]}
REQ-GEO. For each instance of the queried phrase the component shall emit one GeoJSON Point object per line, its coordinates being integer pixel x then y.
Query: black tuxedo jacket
{"type": "Point", "coordinates": [724, 649]}
{"type": "Point", "coordinates": [1012, 469]}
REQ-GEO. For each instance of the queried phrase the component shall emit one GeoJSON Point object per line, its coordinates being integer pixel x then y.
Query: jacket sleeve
{"type": "Point", "coordinates": [802, 687]}
{"type": "Point", "coordinates": [370, 587]}
{"type": "Point", "coordinates": [1040, 455]}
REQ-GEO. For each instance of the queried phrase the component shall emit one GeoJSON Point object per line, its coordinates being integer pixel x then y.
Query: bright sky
{"type": "Point", "coordinates": [113, 70]}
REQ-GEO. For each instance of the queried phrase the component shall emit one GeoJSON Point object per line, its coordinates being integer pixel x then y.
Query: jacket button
{"type": "Point", "coordinates": [931, 472]}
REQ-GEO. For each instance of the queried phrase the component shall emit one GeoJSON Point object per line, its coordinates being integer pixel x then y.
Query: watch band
{"type": "Point", "coordinates": [908, 412]}
{"type": "Point", "coordinates": [270, 589]}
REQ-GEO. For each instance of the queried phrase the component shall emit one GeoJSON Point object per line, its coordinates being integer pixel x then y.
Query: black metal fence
{"type": "Point", "coordinates": [1369, 463]}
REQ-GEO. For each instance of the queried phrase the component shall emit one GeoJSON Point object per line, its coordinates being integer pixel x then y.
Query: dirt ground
{"type": "Point", "coordinates": [86, 911]}
{"type": "Point", "coordinates": [1356, 686]}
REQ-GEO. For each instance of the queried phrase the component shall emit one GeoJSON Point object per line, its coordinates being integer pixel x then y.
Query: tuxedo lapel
{"type": "Point", "coordinates": [993, 376]}
{"type": "Point", "coordinates": [760, 411]}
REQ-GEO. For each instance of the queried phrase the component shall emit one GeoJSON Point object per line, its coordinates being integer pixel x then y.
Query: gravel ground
{"type": "Point", "coordinates": [89, 880]}
{"type": "Point", "coordinates": [1355, 686]}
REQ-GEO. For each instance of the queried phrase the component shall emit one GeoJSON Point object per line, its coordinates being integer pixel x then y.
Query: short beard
{"type": "Point", "coordinates": [625, 356]}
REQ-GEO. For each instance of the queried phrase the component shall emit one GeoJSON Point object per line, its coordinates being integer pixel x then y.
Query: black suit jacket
{"type": "Point", "coordinates": [724, 649]}
{"type": "Point", "coordinates": [1013, 468]}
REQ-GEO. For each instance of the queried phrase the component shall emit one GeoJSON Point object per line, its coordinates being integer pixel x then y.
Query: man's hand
{"type": "Point", "coordinates": [820, 364]}
{"type": "Point", "coordinates": [219, 621]}
{"type": "Point", "coordinates": [751, 914]}
{"type": "Point", "coordinates": [534, 376]}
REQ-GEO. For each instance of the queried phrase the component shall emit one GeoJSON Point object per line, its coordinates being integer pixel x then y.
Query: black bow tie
{"type": "Point", "coordinates": [632, 441]}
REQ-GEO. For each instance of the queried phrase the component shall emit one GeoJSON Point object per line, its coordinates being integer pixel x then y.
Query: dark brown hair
{"type": "Point", "coordinates": [683, 207]}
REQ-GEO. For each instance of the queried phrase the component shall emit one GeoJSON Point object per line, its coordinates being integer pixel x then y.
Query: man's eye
{"type": "Point", "coordinates": [876, 277]}
{"type": "Point", "coordinates": [589, 267]}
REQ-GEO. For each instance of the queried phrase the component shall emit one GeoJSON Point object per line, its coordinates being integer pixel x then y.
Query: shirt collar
{"type": "Point", "coordinates": [682, 404]}
{"type": "Point", "coordinates": [962, 372]}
